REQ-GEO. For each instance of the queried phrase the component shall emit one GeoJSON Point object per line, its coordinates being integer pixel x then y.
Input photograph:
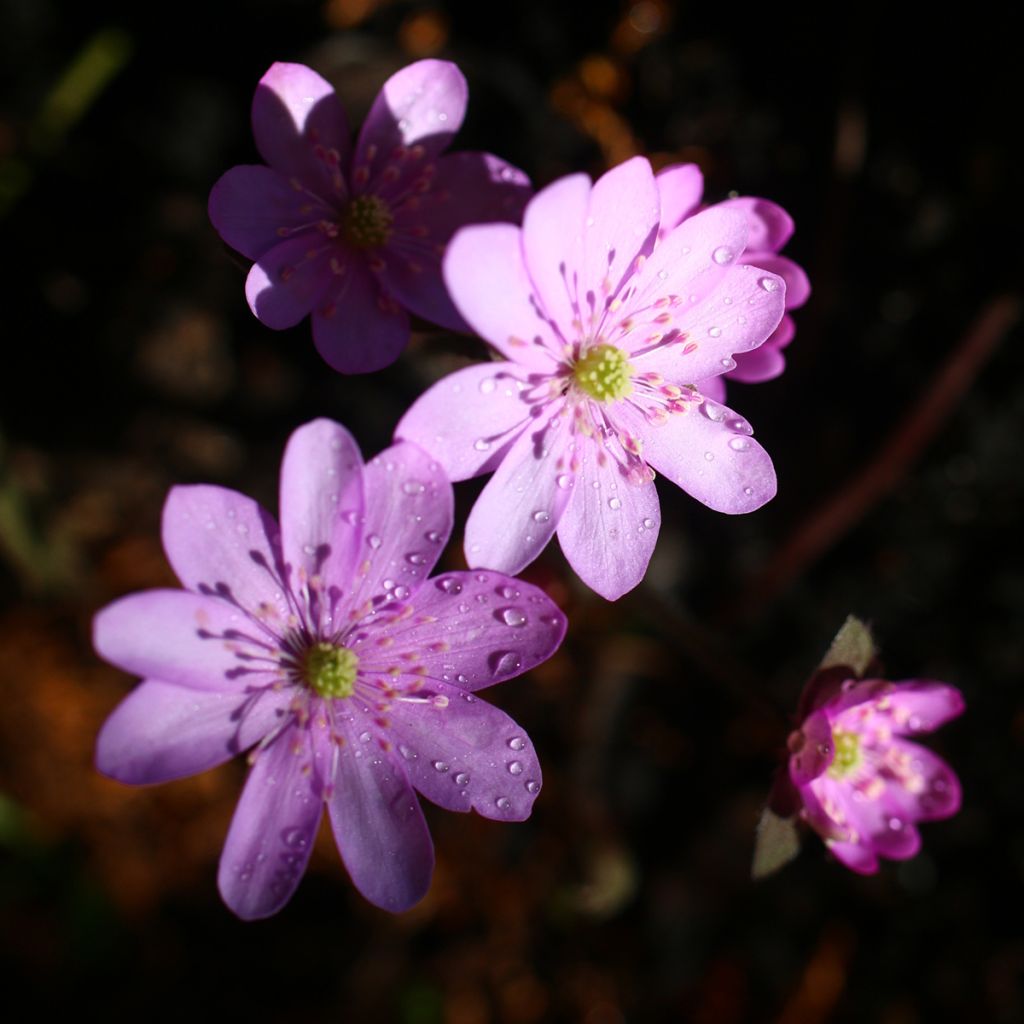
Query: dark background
{"type": "Point", "coordinates": [131, 362]}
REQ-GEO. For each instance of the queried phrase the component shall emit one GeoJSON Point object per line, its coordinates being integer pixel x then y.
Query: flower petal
{"type": "Point", "coordinates": [519, 508]}
{"type": "Point", "coordinates": [207, 643]}
{"type": "Point", "coordinates": [743, 309]}
{"type": "Point", "coordinates": [379, 826]}
{"type": "Point", "coordinates": [609, 530]}
{"type": "Point", "coordinates": [358, 328]}
{"type": "Point", "coordinates": [409, 513]}
{"type": "Point", "coordinates": [423, 104]}
{"type": "Point", "coordinates": [907, 707]}
{"type": "Point", "coordinates": [798, 288]}
{"type": "Point", "coordinates": [322, 506]}
{"type": "Point", "coordinates": [856, 856]}
{"type": "Point", "coordinates": [680, 188]}
{"type": "Point", "coordinates": [770, 226]}
{"type": "Point", "coordinates": [465, 754]}
{"type": "Point", "coordinates": [766, 362]}
{"type": "Point", "coordinates": [715, 460]}
{"type": "Point", "coordinates": [287, 281]}
{"type": "Point", "coordinates": [221, 542]}
{"type": "Point", "coordinates": [300, 128]}
{"type": "Point", "coordinates": [252, 207]}
{"type": "Point", "coordinates": [273, 829]}
{"type": "Point", "coordinates": [815, 753]}
{"type": "Point", "coordinates": [161, 731]}
{"type": "Point", "coordinates": [713, 388]}
{"type": "Point", "coordinates": [880, 822]}
{"type": "Point", "coordinates": [468, 188]}
{"type": "Point", "coordinates": [488, 282]}
{"type": "Point", "coordinates": [934, 790]}
{"type": "Point", "coordinates": [473, 628]}
{"type": "Point", "coordinates": [469, 420]}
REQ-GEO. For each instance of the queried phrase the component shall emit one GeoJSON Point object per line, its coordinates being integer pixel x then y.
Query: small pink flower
{"type": "Point", "coordinates": [603, 336]}
{"type": "Point", "coordinates": [322, 647]}
{"type": "Point", "coordinates": [770, 227]}
{"type": "Point", "coordinates": [863, 786]}
{"type": "Point", "coordinates": [355, 236]}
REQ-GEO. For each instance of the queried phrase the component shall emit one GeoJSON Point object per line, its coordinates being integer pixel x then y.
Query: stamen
{"type": "Point", "coordinates": [366, 224]}
{"type": "Point", "coordinates": [329, 670]}
{"type": "Point", "coordinates": [604, 373]}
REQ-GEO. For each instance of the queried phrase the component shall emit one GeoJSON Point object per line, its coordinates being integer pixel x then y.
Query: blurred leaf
{"type": "Point", "coordinates": [853, 646]}
{"type": "Point", "coordinates": [776, 844]}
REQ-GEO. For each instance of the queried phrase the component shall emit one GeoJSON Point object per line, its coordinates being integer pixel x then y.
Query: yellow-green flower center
{"type": "Point", "coordinates": [604, 373]}
{"type": "Point", "coordinates": [330, 671]}
{"type": "Point", "coordinates": [847, 757]}
{"type": "Point", "coordinates": [367, 222]}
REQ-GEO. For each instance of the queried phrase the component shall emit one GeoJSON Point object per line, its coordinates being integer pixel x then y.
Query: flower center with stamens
{"type": "Point", "coordinates": [604, 373]}
{"type": "Point", "coordinates": [367, 222]}
{"type": "Point", "coordinates": [330, 671]}
{"type": "Point", "coordinates": [847, 757]}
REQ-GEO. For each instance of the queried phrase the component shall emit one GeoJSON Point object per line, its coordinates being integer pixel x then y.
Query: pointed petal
{"type": "Point", "coordinates": [467, 754]}
{"type": "Point", "coordinates": [272, 832]}
{"type": "Point", "coordinates": [519, 509]}
{"type": "Point", "coordinates": [476, 628]}
{"type": "Point", "coordinates": [287, 281]}
{"type": "Point", "coordinates": [189, 639]}
{"type": "Point", "coordinates": [488, 282]}
{"type": "Point", "coordinates": [468, 188]}
{"type": "Point", "coordinates": [253, 207]}
{"type": "Point", "coordinates": [766, 362]}
{"type": "Point", "coordinates": [744, 308]}
{"type": "Point", "coordinates": [770, 226]}
{"type": "Point", "coordinates": [220, 541]}
{"type": "Point", "coordinates": [680, 188]}
{"type": "Point", "coordinates": [379, 826]}
{"type": "Point", "coordinates": [423, 104]}
{"type": "Point", "coordinates": [609, 530]}
{"type": "Point", "coordinates": [798, 288]}
{"type": "Point", "coordinates": [469, 420]}
{"type": "Point", "coordinates": [409, 513]}
{"type": "Point", "coordinates": [715, 461]}
{"type": "Point", "coordinates": [301, 129]}
{"type": "Point", "coordinates": [357, 328]}
{"type": "Point", "coordinates": [161, 731]}
{"type": "Point", "coordinates": [322, 504]}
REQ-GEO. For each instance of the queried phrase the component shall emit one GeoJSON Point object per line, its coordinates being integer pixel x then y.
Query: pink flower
{"type": "Point", "coordinates": [603, 336]}
{"type": "Point", "coordinates": [770, 227]}
{"type": "Point", "coordinates": [355, 236]}
{"type": "Point", "coordinates": [863, 786]}
{"type": "Point", "coordinates": [324, 648]}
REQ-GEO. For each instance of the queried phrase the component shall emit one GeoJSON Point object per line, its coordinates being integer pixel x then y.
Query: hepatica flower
{"type": "Point", "coordinates": [354, 235]}
{"type": "Point", "coordinates": [323, 649]}
{"type": "Point", "coordinates": [603, 334]}
{"type": "Point", "coordinates": [680, 188]}
{"type": "Point", "coordinates": [863, 784]}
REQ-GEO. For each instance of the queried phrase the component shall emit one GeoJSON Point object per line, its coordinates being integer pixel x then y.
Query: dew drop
{"type": "Point", "coordinates": [532, 786]}
{"type": "Point", "coordinates": [487, 385]}
{"type": "Point", "coordinates": [295, 837]}
{"type": "Point", "coordinates": [723, 255]}
{"type": "Point", "coordinates": [895, 824]}
{"type": "Point", "coordinates": [513, 617]}
{"type": "Point", "coordinates": [462, 779]}
{"type": "Point", "coordinates": [709, 457]}
{"type": "Point", "coordinates": [407, 752]}
{"type": "Point", "coordinates": [729, 364]}
{"type": "Point", "coordinates": [507, 592]}
{"type": "Point", "coordinates": [416, 558]}
{"type": "Point", "coordinates": [740, 426]}
{"type": "Point", "coordinates": [748, 491]}
{"type": "Point", "coordinates": [481, 444]}
{"type": "Point", "coordinates": [564, 481]}
{"type": "Point", "coordinates": [713, 411]}
{"type": "Point", "coordinates": [663, 275]}
{"type": "Point", "coordinates": [449, 584]}
{"type": "Point", "coordinates": [715, 332]}
{"type": "Point", "coordinates": [374, 541]}
{"type": "Point", "coordinates": [441, 766]}
{"type": "Point", "coordinates": [515, 767]}
{"type": "Point", "coordinates": [769, 284]}
{"type": "Point", "coordinates": [739, 444]}
{"type": "Point", "coordinates": [350, 516]}
{"type": "Point", "coordinates": [614, 504]}
{"type": "Point", "coordinates": [540, 516]}
{"type": "Point", "coordinates": [433, 537]}
{"type": "Point", "coordinates": [364, 737]}
{"type": "Point", "coordinates": [648, 524]}
{"type": "Point", "coordinates": [401, 592]}
{"type": "Point", "coordinates": [413, 487]}
{"type": "Point", "coordinates": [517, 743]}
{"type": "Point", "coordinates": [503, 803]}
{"type": "Point", "coordinates": [506, 662]}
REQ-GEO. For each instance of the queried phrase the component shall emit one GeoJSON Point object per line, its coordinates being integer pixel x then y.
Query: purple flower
{"type": "Point", "coordinates": [355, 237]}
{"type": "Point", "coordinates": [770, 227]}
{"type": "Point", "coordinates": [862, 785]}
{"type": "Point", "coordinates": [604, 335]}
{"type": "Point", "coordinates": [324, 648]}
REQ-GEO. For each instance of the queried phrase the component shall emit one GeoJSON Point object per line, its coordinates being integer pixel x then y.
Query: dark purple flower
{"type": "Point", "coordinates": [862, 784]}
{"type": "Point", "coordinates": [354, 236]}
{"type": "Point", "coordinates": [323, 648]}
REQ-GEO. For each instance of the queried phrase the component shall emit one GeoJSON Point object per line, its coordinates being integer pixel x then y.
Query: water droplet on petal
{"type": "Point", "coordinates": [401, 593]}
{"type": "Point", "coordinates": [532, 786]}
{"type": "Point", "coordinates": [540, 516]}
{"type": "Point", "coordinates": [374, 541]}
{"type": "Point", "coordinates": [505, 662]}
{"type": "Point", "coordinates": [507, 592]}
{"type": "Point", "coordinates": [515, 767]}
{"type": "Point", "coordinates": [740, 426]}
{"type": "Point", "coordinates": [503, 803]}
{"type": "Point", "coordinates": [441, 766]}
{"type": "Point", "coordinates": [462, 779]}
{"type": "Point", "coordinates": [723, 255]}
{"type": "Point", "coordinates": [416, 558]}
{"type": "Point", "coordinates": [739, 444]}
{"type": "Point", "coordinates": [517, 743]}
{"type": "Point", "coordinates": [728, 364]}
{"type": "Point", "coordinates": [769, 284]}
{"type": "Point", "coordinates": [295, 837]}
{"type": "Point", "coordinates": [648, 524]}
{"type": "Point", "coordinates": [481, 444]}
{"type": "Point", "coordinates": [564, 480]}
{"type": "Point", "coordinates": [895, 824]}
{"type": "Point", "coordinates": [748, 491]}
{"type": "Point", "coordinates": [413, 487]}
{"type": "Point", "coordinates": [364, 737]}
{"type": "Point", "coordinates": [487, 385]}
{"type": "Point", "coordinates": [449, 584]}
{"type": "Point", "coordinates": [433, 536]}
{"type": "Point", "coordinates": [713, 411]}
{"type": "Point", "coordinates": [715, 332]}
{"type": "Point", "coordinates": [709, 457]}
{"type": "Point", "coordinates": [614, 504]}
{"type": "Point", "coordinates": [513, 617]}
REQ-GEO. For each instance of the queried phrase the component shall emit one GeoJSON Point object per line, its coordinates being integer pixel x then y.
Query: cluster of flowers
{"type": "Point", "coordinates": [617, 309]}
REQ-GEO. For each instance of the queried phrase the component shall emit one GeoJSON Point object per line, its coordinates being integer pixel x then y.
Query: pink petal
{"type": "Point", "coordinates": [715, 460]}
{"type": "Point", "coordinates": [609, 530]}
{"type": "Point", "coordinates": [740, 313]}
{"type": "Point", "coordinates": [188, 639]}
{"type": "Point", "coordinates": [816, 752]}
{"type": "Point", "coordinates": [518, 511]}
{"type": "Point", "coordinates": [467, 754]}
{"type": "Point", "coordinates": [935, 792]}
{"type": "Point", "coordinates": [798, 288]}
{"type": "Point", "coordinates": [288, 280]}
{"type": "Point", "coordinates": [222, 542]}
{"type": "Point", "coordinates": [357, 328]}
{"type": "Point", "coordinates": [856, 856]}
{"type": "Point", "coordinates": [487, 280]}
{"type": "Point", "coordinates": [378, 824]}
{"type": "Point", "coordinates": [907, 707]}
{"type": "Point", "coordinates": [301, 129]}
{"type": "Point", "coordinates": [770, 226]}
{"type": "Point", "coordinates": [469, 420]}
{"type": "Point", "coordinates": [765, 362]}
{"type": "Point", "coordinates": [322, 505]}
{"type": "Point", "coordinates": [713, 388]}
{"type": "Point", "coordinates": [680, 188]}
{"type": "Point", "coordinates": [409, 512]}
{"type": "Point", "coordinates": [253, 207]}
{"type": "Point", "coordinates": [471, 628]}
{"type": "Point", "coordinates": [468, 188]}
{"type": "Point", "coordinates": [273, 829]}
{"type": "Point", "coordinates": [161, 731]}
{"type": "Point", "coordinates": [880, 822]}
{"type": "Point", "coordinates": [423, 104]}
